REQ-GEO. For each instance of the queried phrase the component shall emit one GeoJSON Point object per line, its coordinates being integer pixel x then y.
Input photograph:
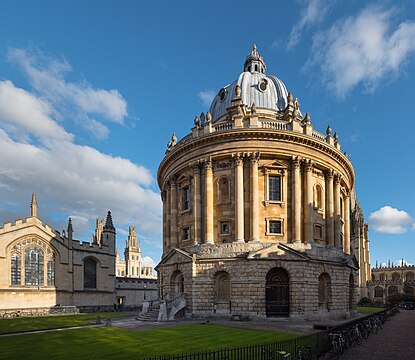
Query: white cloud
{"type": "Point", "coordinates": [401, 262]}
{"type": "Point", "coordinates": [362, 49]}
{"type": "Point", "coordinates": [314, 12]}
{"type": "Point", "coordinates": [79, 101]}
{"type": "Point", "coordinates": [148, 262]}
{"type": "Point", "coordinates": [206, 97]}
{"type": "Point", "coordinates": [390, 220]}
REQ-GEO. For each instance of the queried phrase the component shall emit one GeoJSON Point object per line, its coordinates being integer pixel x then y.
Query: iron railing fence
{"type": "Point", "coordinates": [319, 342]}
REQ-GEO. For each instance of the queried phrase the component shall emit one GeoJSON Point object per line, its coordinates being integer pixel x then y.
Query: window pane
{"type": "Point", "coordinates": [15, 275]}
{"type": "Point", "coordinates": [34, 271]}
{"type": "Point", "coordinates": [51, 273]}
{"type": "Point", "coordinates": [275, 227]}
{"type": "Point", "coordinates": [274, 188]}
{"type": "Point", "coordinates": [186, 197]}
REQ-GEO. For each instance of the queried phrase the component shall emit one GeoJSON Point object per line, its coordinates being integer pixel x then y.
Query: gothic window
{"type": "Point", "coordinates": [382, 277]}
{"type": "Point", "coordinates": [410, 276]}
{"type": "Point", "coordinates": [395, 277]}
{"type": "Point", "coordinates": [185, 198]}
{"type": "Point", "coordinates": [223, 291]}
{"type": "Point", "coordinates": [409, 290]}
{"type": "Point", "coordinates": [378, 292]}
{"type": "Point", "coordinates": [324, 291]}
{"type": "Point", "coordinates": [15, 269]}
{"type": "Point", "coordinates": [51, 272]}
{"type": "Point", "coordinates": [90, 273]}
{"type": "Point", "coordinates": [274, 188]}
{"type": "Point", "coordinates": [392, 290]}
{"type": "Point", "coordinates": [223, 190]}
{"type": "Point", "coordinates": [34, 266]}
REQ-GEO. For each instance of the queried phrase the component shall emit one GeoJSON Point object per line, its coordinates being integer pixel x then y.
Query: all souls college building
{"type": "Point", "coordinates": [260, 216]}
{"type": "Point", "coordinates": [42, 269]}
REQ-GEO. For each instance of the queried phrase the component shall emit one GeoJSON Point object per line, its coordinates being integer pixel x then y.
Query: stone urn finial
{"type": "Point", "coordinates": [202, 118]}
{"type": "Point", "coordinates": [196, 121]}
{"type": "Point", "coordinates": [253, 108]}
{"type": "Point", "coordinates": [307, 118]}
{"type": "Point", "coordinates": [329, 130]}
{"type": "Point", "coordinates": [336, 136]}
{"type": "Point", "coordinates": [290, 98]}
{"type": "Point", "coordinates": [208, 117]}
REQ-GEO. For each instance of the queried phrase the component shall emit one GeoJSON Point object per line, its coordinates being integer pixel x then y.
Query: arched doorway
{"type": "Point", "coordinates": [277, 293]}
{"type": "Point", "coordinates": [177, 283]}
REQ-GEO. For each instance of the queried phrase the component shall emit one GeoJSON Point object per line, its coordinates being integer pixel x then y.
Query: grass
{"type": "Point", "coordinates": [368, 310]}
{"type": "Point", "coordinates": [54, 321]}
{"type": "Point", "coordinates": [117, 344]}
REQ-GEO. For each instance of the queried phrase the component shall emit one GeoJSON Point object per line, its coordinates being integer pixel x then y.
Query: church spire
{"type": "Point", "coordinates": [108, 222]}
{"type": "Point", "coordinates": [70, 229]}
{"type": "Point", "coordinates": [33, 206]}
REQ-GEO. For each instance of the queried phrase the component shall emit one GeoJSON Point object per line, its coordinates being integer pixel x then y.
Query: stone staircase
{"type": "Point", "coordinates": [151, 315]}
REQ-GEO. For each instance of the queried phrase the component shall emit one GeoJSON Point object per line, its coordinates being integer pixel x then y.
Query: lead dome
{"type": "Point", "coordinates": [265, 91]}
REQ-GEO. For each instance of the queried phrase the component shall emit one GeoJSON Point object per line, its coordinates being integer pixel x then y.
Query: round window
{"type": "Point", "coordinates": [222, 94]}
{"type": "Point", "coordinates": [262, 85]}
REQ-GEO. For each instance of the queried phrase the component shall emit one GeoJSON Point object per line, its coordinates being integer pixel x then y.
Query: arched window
{"type": "Point", "coordinates": [378, 292]}
{"type": "Point", "coordinates": [223, 186]}
{"type": "Point", "coordinates": [410, 276]}
{"type": "Point", "coordinates": [392, 290]}
{"type": "Point", "coordinates": [318, 197]}
{"type": "Point", "coordinates": [223, 290]}
{"type": "Point", "coordinates": [409, 290]}
{"type": "Point", "coordinates": [324, 291]}
{"type": "Point", "coordinates": [34, 266]}
{"type": "Point", "coordinates": [382, 277]}
{"type": "Point", "coordinates": [90, 273]}
{"type": "Point", "coordinates": [395, 277]}
{"type": "Point", "coordinates": [15, 269]}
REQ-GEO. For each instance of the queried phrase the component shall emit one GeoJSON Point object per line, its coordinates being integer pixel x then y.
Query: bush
{"type": "Point", "coordinates": [366, 302]}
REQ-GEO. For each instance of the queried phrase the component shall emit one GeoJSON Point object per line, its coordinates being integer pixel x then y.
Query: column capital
{"type": "Point", "coordinates": [238, 158]}
{"type": "Point", "coordinates": [308, 164]}
{"type": "Point", "coordinates": [254, 157]}
{"type": "Point", "coordinates": [207, 163]}
{"type": "Point", "coordinates": [337, 179]}
{"type": "Point", "coordinates": [195, 166]}
{"type": "Point", "coordinates": [295, 162]}
{"type": "Point", "coordinates": [172, 180]}
{"type": "Point", "coordinates": [329, 174]}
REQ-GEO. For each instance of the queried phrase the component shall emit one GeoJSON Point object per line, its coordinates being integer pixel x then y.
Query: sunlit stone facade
{"type": "Point", "coordinates": [257, 209]}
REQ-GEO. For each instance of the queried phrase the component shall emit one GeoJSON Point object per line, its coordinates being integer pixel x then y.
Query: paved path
{"type": "Point", "coordinates": [395, 341]}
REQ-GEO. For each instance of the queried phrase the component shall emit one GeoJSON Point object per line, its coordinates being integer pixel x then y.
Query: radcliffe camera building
{"type": "Point", "coordinates": [260, 216]}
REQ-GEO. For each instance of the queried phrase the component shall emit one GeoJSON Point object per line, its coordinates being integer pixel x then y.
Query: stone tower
{"type": "Point", "coordinates": [132, 254]}
{"type": "Point", "coordinates": [108, 234]}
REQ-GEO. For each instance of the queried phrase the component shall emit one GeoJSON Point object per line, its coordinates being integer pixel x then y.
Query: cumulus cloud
{"type": "Point", "coordinates": [148, 262]}
{"type": "Point", "coordinates": [390, 220]}
{"type": "Point", "coordinates": [206, 97]}
{"type": "Point", "coordinates": [401, 262]}
{"type": "Point", "coordinates": [314, 12]}
{"type": "Point", "coordinates": [79, 101]}
{"type": "Point", "coordinates": [362, 49]}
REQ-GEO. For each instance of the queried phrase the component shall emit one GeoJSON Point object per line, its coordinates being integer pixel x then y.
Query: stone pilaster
{"type": "Point", "coordinates": [197, 218]}
{"type": "Point", "coordinates": [254, 197]}
{"type": "Point", "coordinates": [309, 209]}
{"type": "Point", "coordinates": [346, 235]}
{"type": "Point", "coordinates": [337, 212]}
{"type": "Point", "coordinates": [167, 205]}
{"type": "Point", "coordinates": [296, 200]}
{"type": "Point", "coordinates": [207, 165]}
{"type": "Point", "coordinates": [174, 241]}
{"type": "Point", "coordinates": [329, 208]}
{"type": "Point", "coordinates": [164, 201]}
{"type": "Point", "coordinates": [239, 197]}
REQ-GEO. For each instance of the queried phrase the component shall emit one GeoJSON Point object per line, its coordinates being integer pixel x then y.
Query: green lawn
{"type": "Point", "coordinates": [368, 310]}
{"type": "Point", "coordinates": [53, 321]}
{"type": "Point", "coordinates": [113, 343]}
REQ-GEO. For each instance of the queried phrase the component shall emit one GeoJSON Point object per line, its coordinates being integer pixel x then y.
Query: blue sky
{"type": "Point", "coordinates": [91, 91]}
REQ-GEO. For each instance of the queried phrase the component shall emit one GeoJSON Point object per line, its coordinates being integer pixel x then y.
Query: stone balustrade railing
{"type": "Point", "coordinates": [274, 125]}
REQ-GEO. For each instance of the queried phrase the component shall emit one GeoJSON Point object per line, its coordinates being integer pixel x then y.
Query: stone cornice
{"type": "Point", "coordinates": [257, 134]}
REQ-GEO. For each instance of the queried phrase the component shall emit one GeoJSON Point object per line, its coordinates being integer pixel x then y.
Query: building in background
{"type": "Point", "coordinates": [259, 211]}
{"type": "Point", "coordinates": [390, 280]}
{"type": "Point", "coordinates": [43, 269]}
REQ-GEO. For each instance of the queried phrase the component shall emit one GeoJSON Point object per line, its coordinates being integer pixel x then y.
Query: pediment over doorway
{"type": "Point", "coordinates": [277, 251]}
{"type": "Point", "coordinates": [174, 256]}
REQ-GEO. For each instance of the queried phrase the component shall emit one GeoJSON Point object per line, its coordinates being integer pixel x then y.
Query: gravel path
{"type": "Point", "coordinates": [395, 341]}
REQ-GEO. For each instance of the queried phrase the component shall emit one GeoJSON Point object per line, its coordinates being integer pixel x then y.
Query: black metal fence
{"type": "Point", "coordinates": [319, 342]}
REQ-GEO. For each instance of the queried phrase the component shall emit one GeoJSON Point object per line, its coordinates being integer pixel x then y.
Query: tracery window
{"type": "Point", "coordinates": [34, 266]}
{"type": "Point", "coordinates": [15, 269]}
{"type": "Point", "coordinates": [90, 273]}
{"type": "Point", "coordinates": [410, 276]}
{"type": "Point", "coordinates": [392, 290]}
{"type": "Point", "coordinates": [395, 277]}
{"type": "Point", "coordinates": [378, 292]}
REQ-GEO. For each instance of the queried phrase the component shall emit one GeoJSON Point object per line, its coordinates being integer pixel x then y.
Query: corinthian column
{"type": "Point", "coordinates": [254, 197]}
{"type": "Point", "coordinates": [346, 235]}
{"type": "Point", "coordinates": [239, 198]}
{"type": "Point", "coordinates": [308, 210]}
{"type": "Point", "coordinates": [173, 213]}
{"type": "Point", "coordinates": [329, 208]}
{"type": "Point", "coordinates": [168, 216]}
{"type": "Point", "coordinates": [208, 201]}
{"type": "Point", "coordinates": [296, 200]}
{"type": "Point", "coordinates": [337, 212]}
{"type": "Point", "coordinates": [164, 200]}
{"type": "Point", "coordinates": [196, 203]}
